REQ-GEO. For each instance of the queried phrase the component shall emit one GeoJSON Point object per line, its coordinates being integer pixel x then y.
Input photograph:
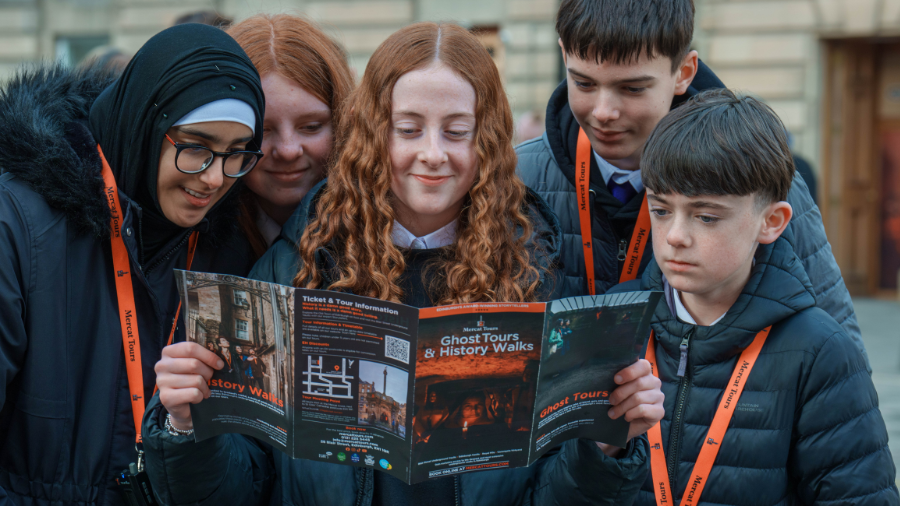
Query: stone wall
{"type": "Point", "coordinates": [770, 48]}
{"type": "Point", "coordinates": [29, 29]}
{"type": "Point", "coordinates": [774, 50]}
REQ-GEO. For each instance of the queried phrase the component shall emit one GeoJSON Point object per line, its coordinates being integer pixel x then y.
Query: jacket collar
{"type": "Point", "coordinates": [45, 142]}
{"type": "Point", "coordinates": [547, 232]}
{"type": "Point", "coordinates": [778, 288]}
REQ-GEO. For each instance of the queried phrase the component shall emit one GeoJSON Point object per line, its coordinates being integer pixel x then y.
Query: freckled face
{"type": "Point", "coordinates": [297, 141]}
{"type": "Point", "coordinates": [705, 245]}
{"type": "Point", "coordinates": [432, 147]}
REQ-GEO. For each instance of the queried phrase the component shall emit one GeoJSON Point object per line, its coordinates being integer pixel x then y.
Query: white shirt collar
{"type": "Point", "coordinates": [682, 313]}
{"type": "Point", "coordinates": [269, 228]}
{"type": "Point", "coordinates": [441, 237]}
{"type": "Point", "coordinates": [610, 171]}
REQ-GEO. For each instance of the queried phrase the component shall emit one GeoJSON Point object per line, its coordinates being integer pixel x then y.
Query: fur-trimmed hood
{"type": "Point", "coordinates": [45, 142]}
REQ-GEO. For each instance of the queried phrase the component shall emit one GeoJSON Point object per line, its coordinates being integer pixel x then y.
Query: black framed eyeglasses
{"type": "Point", "coordinates": [194, 159]}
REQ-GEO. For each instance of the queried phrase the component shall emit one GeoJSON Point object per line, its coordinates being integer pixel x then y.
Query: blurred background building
{"type": "Point", "coordinates": [829, 68]}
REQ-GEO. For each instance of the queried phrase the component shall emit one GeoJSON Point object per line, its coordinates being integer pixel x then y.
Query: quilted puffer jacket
{"type": "Point", "coordinates": [807, 429]}
{"type": "Point", "coordinates": [547, 166]}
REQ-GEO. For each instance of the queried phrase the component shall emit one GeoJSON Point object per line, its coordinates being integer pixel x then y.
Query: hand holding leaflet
{"type": "Point", "coordinates": [638, 398]}
{"type": "Point", "coordinates": [182, 375]}
{"type": "Point", "coordinates": [415, 393]}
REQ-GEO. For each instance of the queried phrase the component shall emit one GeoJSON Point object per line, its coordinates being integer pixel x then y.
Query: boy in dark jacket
{"type": "Point", "coordinates": [627, 65]}
{"type": "Point", "coordinates": [767, 398]}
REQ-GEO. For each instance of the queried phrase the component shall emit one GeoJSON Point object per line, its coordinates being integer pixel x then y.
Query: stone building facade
{"type": "Point", "coordinates": [365, 388]}
{"type": "Point", "coordinates": [521, 32]}
{"type": "Point", "coordinates": [829, 68]}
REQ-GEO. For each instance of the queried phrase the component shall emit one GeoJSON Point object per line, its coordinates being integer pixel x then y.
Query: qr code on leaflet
{"type": "Point", "coordinates": [397, 349]}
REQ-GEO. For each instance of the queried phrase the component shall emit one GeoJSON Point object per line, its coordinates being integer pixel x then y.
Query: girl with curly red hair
{"type": "Point", "coordinates": [423, 206]}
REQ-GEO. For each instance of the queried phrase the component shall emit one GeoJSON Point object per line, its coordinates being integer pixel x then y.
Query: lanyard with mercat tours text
{"type": "Point", "coordinates": [641, 228]}
{"type": "Point", "coordinates": [714, 436]}
{"type": "Point", "coordinates": [125, 296]}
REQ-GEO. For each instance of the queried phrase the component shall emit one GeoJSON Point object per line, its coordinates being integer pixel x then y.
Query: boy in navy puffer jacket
{"type": "Point", "coordinates": [627, 64]}
{"type": "Point", "coordinates": [767, 398]}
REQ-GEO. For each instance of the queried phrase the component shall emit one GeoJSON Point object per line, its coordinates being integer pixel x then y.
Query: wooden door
{"type": "Point", "coordinates": [850, 172]}
{"type": "Point", "coordinates": [888, 151]}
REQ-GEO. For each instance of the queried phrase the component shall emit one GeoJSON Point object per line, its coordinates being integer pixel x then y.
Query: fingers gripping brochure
{"type": "Point", "coordinates": [415, 393]}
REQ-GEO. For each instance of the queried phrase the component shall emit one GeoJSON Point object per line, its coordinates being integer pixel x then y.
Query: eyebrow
{"type": "Point", "coordinates": [699, 204]}
{"type": "Point", "coordinates": [638, 79]}
{"type": "Point", "coordinates": [708, 205]}
{"type": "Point", "coordinates": [210, 137]}
{"type": "Point", "coordinates": [449, 116]}
{"type": "Point", "coordinates": [656, 198]}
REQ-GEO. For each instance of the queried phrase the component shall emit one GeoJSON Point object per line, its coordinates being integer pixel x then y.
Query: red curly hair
{"type": "Point", "coordinates": [354, 216]}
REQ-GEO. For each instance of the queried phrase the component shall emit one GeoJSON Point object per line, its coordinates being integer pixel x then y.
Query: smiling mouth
{"type": "Point", "coordinates": [195, 194]}
{"type": "Point", "coordinates": [196, 198]}
{"type": "Point", "coordinates": [287, 175]}
{"type": "Point", "coordinates": [431, 180]}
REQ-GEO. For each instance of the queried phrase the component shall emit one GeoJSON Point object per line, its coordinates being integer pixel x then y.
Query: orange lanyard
{"type": "Point", "coordinates": [714, 436]}
{"type": "Point", "coordinates": [125, 295]}
{"type": "Point", "coordinates": [641, 227]}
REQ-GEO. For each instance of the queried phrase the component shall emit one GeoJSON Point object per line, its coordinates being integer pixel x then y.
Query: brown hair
{"type": "Point", "coordinates": [297, 49]}
{"type": "Point", "coordinates": [620, 31]}
{"type": "Point", "coordinates": [354, 216]}
{"type": "Point", "coordinates": [718, 143]}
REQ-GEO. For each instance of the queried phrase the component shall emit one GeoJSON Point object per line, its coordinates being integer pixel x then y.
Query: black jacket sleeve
{"type": "Point", "coordinates": [582, 474]}
{"type": "Point", "coordinates": [226, 469]}
{"type": "Point", "coordinates": [15, 273]}
{"type": "Point", "coordinates": [840, 452]}
{"type": "Point", "coordinates": [806, 233]}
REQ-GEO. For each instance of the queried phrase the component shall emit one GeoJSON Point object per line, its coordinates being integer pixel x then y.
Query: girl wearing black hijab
{"type": "Point", "coordinates": [105, 188]}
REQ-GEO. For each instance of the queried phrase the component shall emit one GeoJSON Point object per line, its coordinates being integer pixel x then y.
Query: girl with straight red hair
{"type": "Point", "coordinates": [423, 206]}
{"type": "Point", "coordinates": [306, 78]}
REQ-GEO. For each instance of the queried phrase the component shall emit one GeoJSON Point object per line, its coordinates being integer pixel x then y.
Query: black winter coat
{"type": "Point", "coordinates": [547, 165]}
{"type": "Point", "coordinates": [234, 469]}
{"type": "Point", "coordinates": [66, 426]}
{"type": "Point", "coordinates": [807, 428]}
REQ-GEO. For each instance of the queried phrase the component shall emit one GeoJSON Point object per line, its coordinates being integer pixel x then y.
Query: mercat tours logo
{"type": "Point", "coordinates": [480, 326]}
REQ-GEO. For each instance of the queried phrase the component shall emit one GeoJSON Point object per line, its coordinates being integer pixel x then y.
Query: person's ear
{"type": "Point", "coordinates": [686, 72]}
{"type": "Point", "coordinates": [563, 49]}
{"type": "Point", "coordinates": [776, 217]}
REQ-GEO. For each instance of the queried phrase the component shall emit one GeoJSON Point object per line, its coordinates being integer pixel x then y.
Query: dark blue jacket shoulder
{"type": "Point", "coordinates": [807, 428]}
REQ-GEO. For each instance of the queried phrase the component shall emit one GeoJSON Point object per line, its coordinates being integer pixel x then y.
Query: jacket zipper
{"type": "Point", "coordinates": [684, 387]}
{"type": "Point", "coordinates": [362, 486]}
{"type": "Point", "coordinates": [456, 489]}
{"type": "Point", "coordinates": [169, 254]}
{"type": "Point", "coordinates": [623, 250]}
